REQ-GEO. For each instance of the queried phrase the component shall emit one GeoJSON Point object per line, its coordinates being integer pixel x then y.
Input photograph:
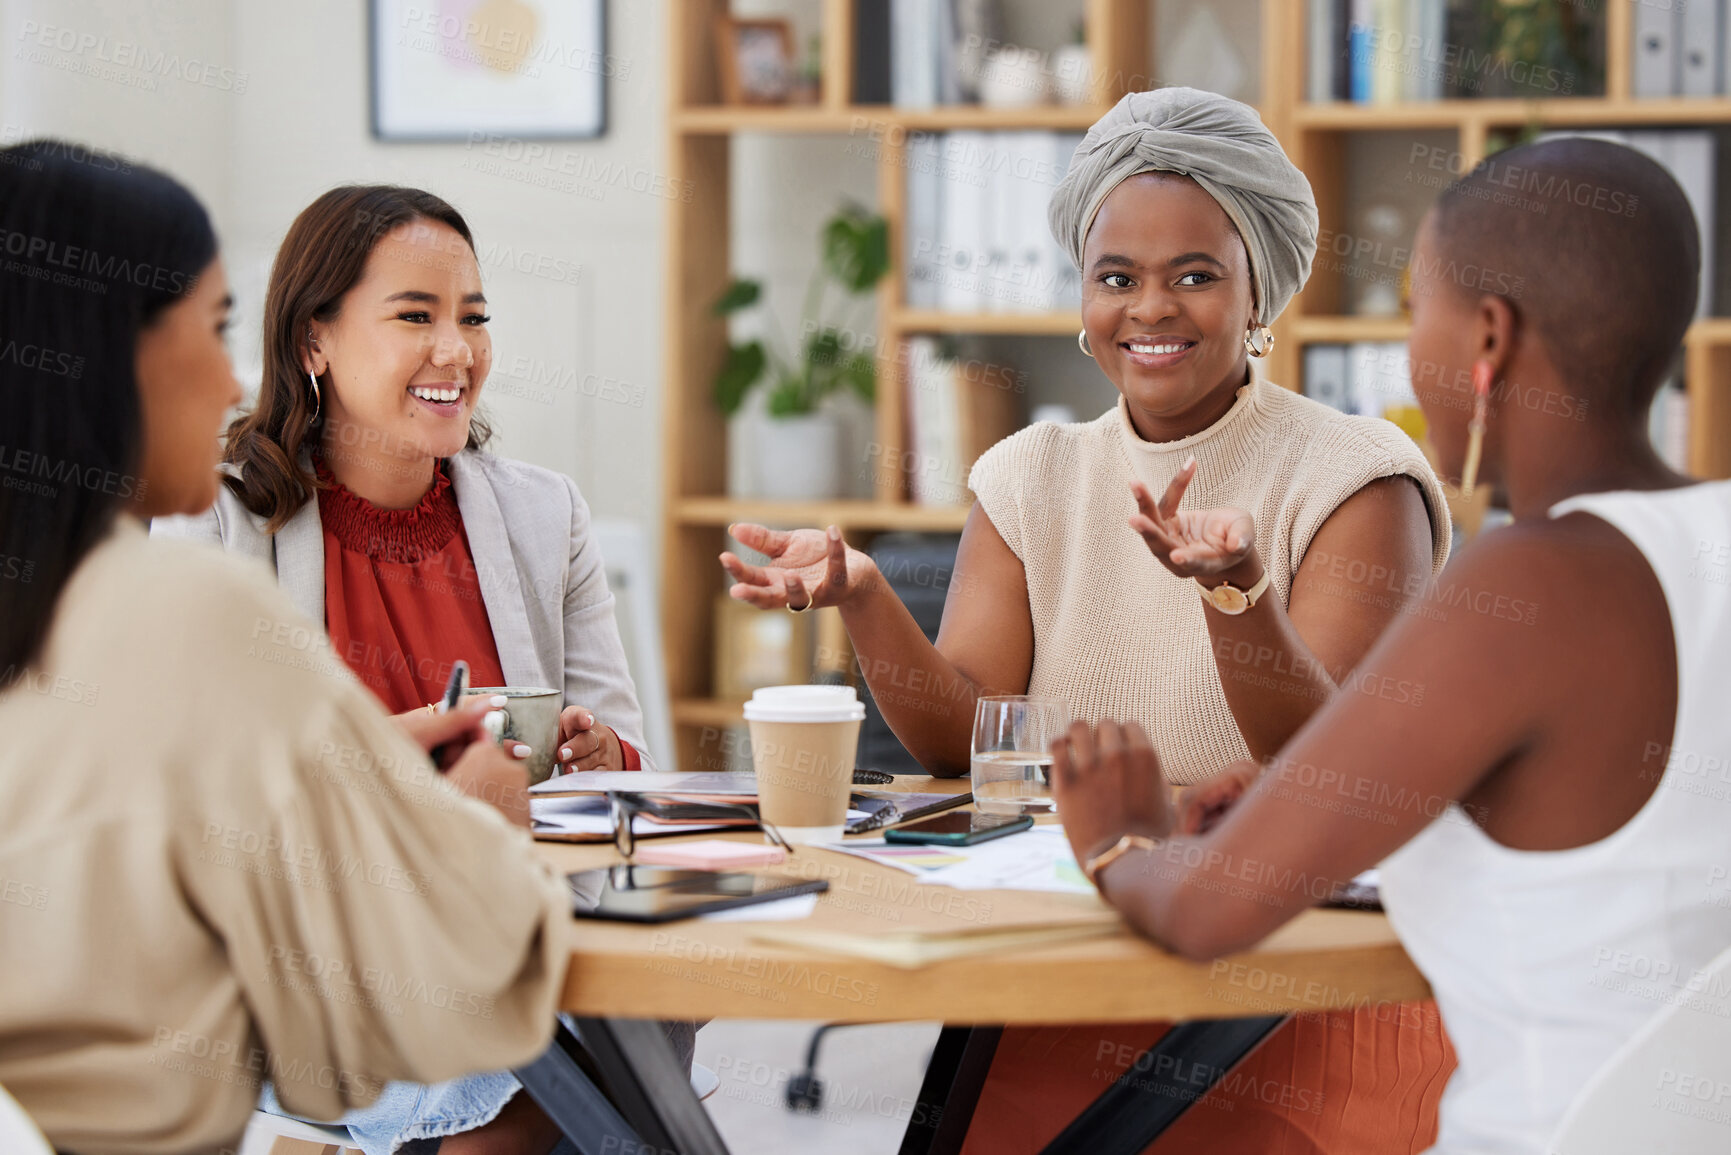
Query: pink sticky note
{"type": "Point", "coordinates": [710, 854]}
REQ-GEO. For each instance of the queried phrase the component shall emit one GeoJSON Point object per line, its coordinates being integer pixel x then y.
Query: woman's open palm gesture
{"type": "Point", "coordinates": [1191, 542]}
{"type": "Point", "coordinates": [807, 568]}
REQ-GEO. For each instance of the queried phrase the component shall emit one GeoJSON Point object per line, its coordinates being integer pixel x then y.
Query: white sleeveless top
{"type": "Point", "coordinates": [1545, 962]}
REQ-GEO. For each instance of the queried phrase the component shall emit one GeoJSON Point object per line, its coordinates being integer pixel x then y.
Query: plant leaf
{"type": "Point", "coordinates": [738, 373]}
{"type": "Point", "coordinates": [824, 348]}
{"type": "Point", "coordinates": [859, 373]}
{"type": "Point", "coordinates": [739, 294]}
{"type": "Point", "coordinates": [789, 398]}
{"type": "Point", "coordinates": [856, 248]}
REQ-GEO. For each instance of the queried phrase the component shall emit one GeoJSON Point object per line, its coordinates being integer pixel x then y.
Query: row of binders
{"type": "Point", "coordinates": [976, 232]}
{"type": "Point", "coordinates": [1681, 48]}
{"type": "Point", "coordinates": [957, 409]}
{"type": "Point", "coordinates": [1374, 379]}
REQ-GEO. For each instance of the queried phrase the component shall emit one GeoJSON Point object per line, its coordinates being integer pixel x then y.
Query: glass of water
{"type": "Point", "coordinates": [1012, 752]}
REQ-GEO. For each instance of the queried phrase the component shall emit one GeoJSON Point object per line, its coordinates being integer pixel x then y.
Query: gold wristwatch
{"type": "Point", "coordinates": [1229, 599]}
{"type": "Point", "coordinates": [1113, 853]}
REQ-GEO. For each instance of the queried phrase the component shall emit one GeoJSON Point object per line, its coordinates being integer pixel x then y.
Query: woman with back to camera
{"type": "Point", "coordinates": [1192, 230]}
{"type": "Point", "coordinates": [1570, 744]}
{"type": "Point", "coordinates": [185, 768]}
{"type": "Point", "coordinates": [360, 476]}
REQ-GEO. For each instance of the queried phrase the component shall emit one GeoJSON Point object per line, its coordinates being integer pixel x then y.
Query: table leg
{"type": "Point", "coordinates": [1161, 1085]}
{"type": "Point", "coordinates": [650, 1085]}
{"type": "Point", "coordinates": [563, 1083]}
{"type": "Point", "coordinates": [951, 1090]}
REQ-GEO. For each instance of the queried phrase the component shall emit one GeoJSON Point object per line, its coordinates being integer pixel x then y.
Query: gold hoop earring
{"type": "Point", "coordinates": [1259, 342]}
{"type": "Point", "coordinates": [1082, 343]}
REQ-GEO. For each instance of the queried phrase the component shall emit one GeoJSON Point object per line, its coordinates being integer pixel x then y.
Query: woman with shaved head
{"type": "Point", "coordinates": [1564, 743]}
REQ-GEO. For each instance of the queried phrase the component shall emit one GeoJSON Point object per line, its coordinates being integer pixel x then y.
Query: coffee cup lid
{"type": "Point", "coordinates": [804, 704]}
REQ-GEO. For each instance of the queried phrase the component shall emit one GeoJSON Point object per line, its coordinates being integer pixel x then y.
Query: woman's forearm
{"type": "Point", "coordinates": [1273, 682]}
{"type": "Point", "coordinates": [925, 699]}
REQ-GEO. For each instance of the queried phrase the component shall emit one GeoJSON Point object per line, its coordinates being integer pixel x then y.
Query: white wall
{"type": "Point", "coordinates": [290, 120]}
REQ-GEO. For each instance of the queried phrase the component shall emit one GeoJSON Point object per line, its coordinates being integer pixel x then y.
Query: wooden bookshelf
{"type": "Point", "coordinates": [1315, 136]}
{"type": "Point", "coordinates": [700, 130]}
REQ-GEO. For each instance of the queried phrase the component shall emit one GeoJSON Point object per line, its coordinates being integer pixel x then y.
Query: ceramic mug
{"type": "Point", "coordinates": [531, 717]}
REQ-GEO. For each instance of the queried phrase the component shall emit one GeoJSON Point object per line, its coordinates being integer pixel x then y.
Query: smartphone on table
{"type": "Point", "coordinates": [958, 828]}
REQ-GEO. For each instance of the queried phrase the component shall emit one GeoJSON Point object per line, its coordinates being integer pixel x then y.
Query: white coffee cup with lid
{"type": "Point", "coordinates": [803, 743]}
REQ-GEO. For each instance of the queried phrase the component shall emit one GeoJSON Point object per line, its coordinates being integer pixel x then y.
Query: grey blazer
{"type": "Point", "coordinates": [541, 577]}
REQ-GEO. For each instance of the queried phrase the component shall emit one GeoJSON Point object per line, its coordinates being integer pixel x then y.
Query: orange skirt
{"type": "Point", "coordinates": [1361, 1082]}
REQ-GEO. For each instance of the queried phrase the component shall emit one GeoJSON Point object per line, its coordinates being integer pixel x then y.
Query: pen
{"type": "Point", "coordinates": [455, 685]}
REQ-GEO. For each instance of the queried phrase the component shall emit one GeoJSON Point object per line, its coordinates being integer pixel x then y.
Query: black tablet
{"type": "Point", "coordinates": [629, 893]}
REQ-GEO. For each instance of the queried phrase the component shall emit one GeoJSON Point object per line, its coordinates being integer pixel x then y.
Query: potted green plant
{"type": "Point", "coordinates": [796, 455]}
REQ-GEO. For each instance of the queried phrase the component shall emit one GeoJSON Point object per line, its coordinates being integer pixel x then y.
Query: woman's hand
{"type": "Point", "coordinates": [1107, 785]}
{"type": "Point", "coordinates": [1195, 542]}
{"type": "Point", "coordinates": [496, 777]}
{"type": "Point", "coordinates": [1202, 804]}
{"type": "Point", "coordinates": [450, 734]}
{"type": "Point", "coordinates": [585, 745]}
{"type": "Point", "coordinates": [807, 568]}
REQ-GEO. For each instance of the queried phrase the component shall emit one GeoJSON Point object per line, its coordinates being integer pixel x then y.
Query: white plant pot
{"type": "Point", "coordinates": [1013, 78]}
{"type": "Point", "coordinates": [799, 458]}
{"type": "Point", "coordinates": [1072, 74]}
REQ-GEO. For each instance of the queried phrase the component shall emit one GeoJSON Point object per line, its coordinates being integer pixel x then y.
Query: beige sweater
{"type": "Point", "coordinates": [221, 863]}
{"type": "Point", "coordinates": [1116, 635]}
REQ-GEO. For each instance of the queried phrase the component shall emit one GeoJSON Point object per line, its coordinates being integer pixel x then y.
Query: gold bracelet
{"type": "Point", "coordinates": [1113, 853]}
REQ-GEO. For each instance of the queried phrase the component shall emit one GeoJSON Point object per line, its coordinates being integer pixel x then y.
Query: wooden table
{"type": "Point", "coordinates": [623, 977]}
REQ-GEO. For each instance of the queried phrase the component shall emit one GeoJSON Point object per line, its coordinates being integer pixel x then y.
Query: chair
{"type": "Point", "coordinates": [625, 557]}
{"type": "Point", "coordinates": [1669, 1087]}
{"type": "Point", "coordinates": [18, 1135]}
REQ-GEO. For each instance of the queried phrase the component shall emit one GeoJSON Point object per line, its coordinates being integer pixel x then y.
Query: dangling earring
{"type": "Point", "coordinates": [1082, 343]}
{"type": "Point", "coordinates": [318, 400]}
{"type": "Point", "coordinates": [1482, 374]}
{"type": "Point", "coordinates": [1259, 342]}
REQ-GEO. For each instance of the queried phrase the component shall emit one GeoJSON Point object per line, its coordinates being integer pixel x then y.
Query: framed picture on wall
{"type": "Point", "coordinates": [755, 60]}
{"type": "Point", "coordinates": [471, 70]}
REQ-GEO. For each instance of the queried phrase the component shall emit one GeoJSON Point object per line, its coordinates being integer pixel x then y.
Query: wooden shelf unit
{"type": "Point", "coordinates": [1315, 136]}
{"type": "Point", "coordinates": [700, 130]}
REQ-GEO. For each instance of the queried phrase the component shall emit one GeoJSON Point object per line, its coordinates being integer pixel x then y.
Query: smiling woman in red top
{"type": "Point", "coordinates": [359, 477]}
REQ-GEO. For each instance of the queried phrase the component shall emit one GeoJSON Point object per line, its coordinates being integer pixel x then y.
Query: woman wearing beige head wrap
{"type": "Point", "coordinates": [1218, 616]}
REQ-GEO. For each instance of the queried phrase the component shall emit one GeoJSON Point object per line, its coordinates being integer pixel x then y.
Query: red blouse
{"type": "Point", "coordinates": [402, 598]}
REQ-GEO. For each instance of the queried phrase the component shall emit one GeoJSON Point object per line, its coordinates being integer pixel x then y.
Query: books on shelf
{"type": "Point", "coordinates": [955, 413]}
{"type": "Point", "coordinates": [1377, 51]}
{"type": "Point", "coordinates": [1368, 378]}
{"type": "Point", "coordinates": [976, 234]}
{"type": "Point", "coordinates": [922, 53]}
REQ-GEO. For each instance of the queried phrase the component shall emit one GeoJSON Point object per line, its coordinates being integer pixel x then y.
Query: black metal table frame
{"type": "Point", "coordinates": [616, 1088]}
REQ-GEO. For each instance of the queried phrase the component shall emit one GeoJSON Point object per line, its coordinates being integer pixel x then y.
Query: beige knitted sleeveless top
{"type": "Point", "coordinates": [1115, 634]}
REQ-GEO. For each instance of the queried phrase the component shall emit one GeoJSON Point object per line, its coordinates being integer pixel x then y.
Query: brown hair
{"type": "Point", "coordinates": [321, 258]}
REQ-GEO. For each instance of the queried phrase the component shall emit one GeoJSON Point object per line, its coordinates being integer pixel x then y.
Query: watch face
{"type": "Point", "coordinates": [1228, 599]}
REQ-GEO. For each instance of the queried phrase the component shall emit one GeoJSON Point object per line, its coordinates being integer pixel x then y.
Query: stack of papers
{"type": "Point", "coordinates": [1037, 859]}
{"type": "Point", "coordinates": [585, 818]}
